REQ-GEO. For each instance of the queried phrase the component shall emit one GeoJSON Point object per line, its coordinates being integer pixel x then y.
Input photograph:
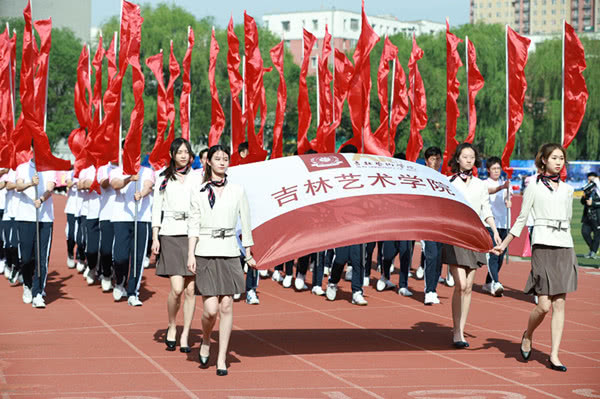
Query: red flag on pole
{"type": "Point", "coordinates": [217, 115]}
{"type": "Point", "coordinates": [453, 62]}
{"type": "Point", "coordinates": [186, 90]}
{"type": "Point", "coordinates": [277, 58]}
{"type": "Point", "coordinates": [83, 111]}
{"type": "Point", "coordinates": [97, 92]}
{"type": "Point", "coordinates": [236, 83]}
{"type": "Point", "coordinates": [418, 101]}
{"type": "Point", "coordinates": [304, 113]}
{"type": "Point", "coordinates": [44, 30]}
{"type": "Point", "coordinates": [475, 83]}
{"type": "Point", "coordinates": [112, 61]}
{"type": "Point", "coordinates": [516, 57]}
{"type": "Point", "coordinates": [325, 99]}
{"type": "Point", "coordinates": [399, 103]}
{"type": "Point", "coordinates": [155, 64]}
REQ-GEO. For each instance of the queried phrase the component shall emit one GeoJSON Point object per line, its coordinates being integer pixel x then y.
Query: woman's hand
{"type": "Point", "coordinates": [251, 263]}
{"type": "Point", "coordinates": [191, 263]}
{"type": "Point", "coordinates": [155, 246]}
{"type": "Point", "coordinates": [497, 250]}
{"type": "Point", "coordinates": [497, 238]}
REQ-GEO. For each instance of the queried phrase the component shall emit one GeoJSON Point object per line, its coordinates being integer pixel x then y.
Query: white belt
{"type": "Point", "coordinates": [217, 233]}
{"type": "Point", "coordinates": [176, 215]}
{"type": "Point", "coordinates": [553, 223]}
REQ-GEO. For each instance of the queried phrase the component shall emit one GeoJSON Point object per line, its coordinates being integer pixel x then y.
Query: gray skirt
{"type": "Point", "coordinates": [553, 271]}
{"type": "Point", "coordinates": [219, 276]}
{"type": "Point", "coordinates": [173, 256]}
{"type": "Point", "coordinates": [453, 255]}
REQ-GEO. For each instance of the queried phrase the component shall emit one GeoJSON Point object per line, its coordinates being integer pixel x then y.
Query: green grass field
{"type": "Point", "coordinates": [581, 247]}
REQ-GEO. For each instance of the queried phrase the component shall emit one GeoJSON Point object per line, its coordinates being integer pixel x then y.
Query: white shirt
{"type": "Point", "coordinates": [26, 211]}
{"type": "Point", "coordinates": [497, 204]}
{"type": "Point", "coordinates": [13, 197]}
{"type": "Point", "coordinates": [547, 207]}
{"type": "Point", "coordinates": [171, 207]}
{"type": "Point", "coordinates": [124, 206]}
{"type": "Point", "coordinates": [2, 199]}
{"type": "Point", "coordinates": [92, 198]}
{"type": "Point", "coordinates": [71, 205]}
{"type": "Point", "coordinates": [229, 206]}
{"type": "Point", "coordinates": [107, 198]}
{"type": "Point", "coordinates": [476, 194]}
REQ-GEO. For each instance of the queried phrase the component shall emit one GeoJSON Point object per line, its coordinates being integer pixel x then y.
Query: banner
{"type": "Point", "coordinates": [314, 202]}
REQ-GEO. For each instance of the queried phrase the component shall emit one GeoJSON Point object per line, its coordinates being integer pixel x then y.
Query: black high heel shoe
{"type": "Point", "coordinates": [526, 355]}
{"type": "Point", "coordinates": [170, 344]}
{"type": "Point", "coordinates": [460, 344]}
{"type": "Point", "coordinates": [556, 367]}
{"type": "Point", "coordinates": [185, 349]}
{"type": "Point", "coordinates": [203, 360]}
{"type": "Point", "coordinates": [222, 372]}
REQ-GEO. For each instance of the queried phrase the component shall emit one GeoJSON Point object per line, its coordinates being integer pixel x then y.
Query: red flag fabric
{"type": "Point", "coordinates": [217, 115]}
{"type": "Point", "coordinates": [325, 101]}
{"type": "Point", "coordinates": [112, 61]}
{"type": "Point", "coordinates": [155, 64]}
{"type": "Point", "coordinates": [6, 108]}
{"type": "Point", "coordinates": [236, 83]}
{"type": "Point", "coordinates": [517, 46]}
{"type": "Point", "coordinates": [399, 103]}
{"type": "Point", "coordinates": [576, 93]}
{"type": "Point", "coordinates": [277, 58]}
{"type": "Point", "coordinates": [97, 92]}
{"type": "Point", "coordinates": [453, 62]}
{"type": "Point", "coordinates": [133, 140]}
{"type": "Point", "coordinates": [186, 90]}
{"type": "Point", "coordinates": [475, 83]}
{"type": "Point", "coordinates": [82, 111]}
{"type": "Point", "coordinates": [418, 112]}
{"type": "Point", "coordinates": [44, 30]}
{"type": "Point", "coordinates": [304, 113]}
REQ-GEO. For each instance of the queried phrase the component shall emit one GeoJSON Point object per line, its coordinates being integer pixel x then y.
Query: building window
{"type": "Point", "coordinates": [315, 24]}
{"type": "Point", "coordinates": [553, 12]}
{"type": "Point", "coordinates": [354, 24]}
{"type": "Point", "coordinates": [313, 62]}
{"type": "Point", "coordinates": [373, 26]}
{"type": "Point", "coordinates": [534, 13]}
{"type": "Point", "coordinates": [498, 14]}
{"type": "Point", "coordinates": [345, 24]}
{"type": "Point", "coordinates": [287, 44]}
{"type": "Point", "coordinates": [285, 25]}
{"type": "Point", "coordinates": [395, 30]}
{"type": "Point", "coordinates": [553, 1]}
{"type": "Point", "coordinates": [543, 12]}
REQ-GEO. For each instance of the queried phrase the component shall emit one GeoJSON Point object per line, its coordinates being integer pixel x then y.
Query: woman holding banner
{"type": "Point", "coordinates": [213, 252]}
{"type": "Point", "coordinates": [553, 260]}
{"type": "Point", "coordinates": [170, 212]}
{"type": "Point", "coordinates": [463, 262]}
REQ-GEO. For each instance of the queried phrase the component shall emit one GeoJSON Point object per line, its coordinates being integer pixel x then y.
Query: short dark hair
{"type": "Point", "coordinates": [453, 162]}
{"type": "Point", "coordinates": [202, 152]}
{"type": "Point", "coordinates": [491, 161]}
{"type": "Point", "coordinates": [544, 153]}
{"type": "Point", "coordinates": [400, 155]}
{"type": "Point", "coordinates": [592, 174]}
{"type": "Point", "coordinates": [349, 149]}
{"type": "Point", "coordinates": [243, 146]}
{"type": "Point", "coordinates": [432, 151]}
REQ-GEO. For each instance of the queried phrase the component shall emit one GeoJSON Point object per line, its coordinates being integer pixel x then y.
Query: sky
{"type": "Point", "coordinates": [404, 10]}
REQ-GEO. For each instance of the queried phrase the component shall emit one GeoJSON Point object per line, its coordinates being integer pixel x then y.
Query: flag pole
{"type": "Point", "coordinates": [333, 68]}
{"type": "Point", "coordinates": [391, 104]}
{"type": "Point", "coordinates": [562, 90]}
{"type": "Point", "coordinates": [121, 91]}
{"type": "Point", "coordinates": [507, 105]}
{"type": "Point", "coordinates": [318, 96]}
{"type": "Point", "coordinates": [467, 73]}
{"type": "Point", "coordinates": [11, 84]}
{"type": "Point", "coordinates": [189, 110]}
{"type": "Point", "coordinates": [100, 106]}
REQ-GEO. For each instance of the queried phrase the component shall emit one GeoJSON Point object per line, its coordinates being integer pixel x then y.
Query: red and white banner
{"type": "Point", "coordinates": [315, 202]}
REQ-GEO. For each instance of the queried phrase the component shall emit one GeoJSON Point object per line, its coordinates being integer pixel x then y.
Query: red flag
{"type": "Point", "coordinates": [325, 100]}
{"type": "Point", "coordinates": [44, 30]}
{"type": "Point", "coordinates": [382, 137]}
{"type": "Point", "coordinates": [155, 63]}
{"type": "Point", "coordinates": [112, 61]}
{"type": "Point", "coordinates": [236, 83]}
{"type": "Point", "coordinates": [453, 62]}
{"type": "Point", "coordinates": [6, 108]}
{"type": "Point", "coordinates": [186, 90]}
{"type": "Point", "coordinates": [304, 113]}
{"type": "Point", "coordinates": [277, 58]}
{"type": "Point", "coordinates": [399, 103]}
{"type": "Point", "coordinates": [217, 116]}
{"type": "Point", "coordinates": [133, 140]}
{"type": "Point", "coordinates": [516, 46]}
{"type": "Point", "coordinates": [82, 111]}
{"type": "Point", "coordinates": [475, 83]}
{"type": "Point", "coordinates": [97, 96]}
{"type": "Point", "coordinates": [418, 112]}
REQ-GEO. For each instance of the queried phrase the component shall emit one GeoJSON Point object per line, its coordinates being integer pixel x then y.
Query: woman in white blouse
{"type": "Point", "coordinates": [170, 212]}
{"type": "Point", "coordinates": [213, 252]}
{"type": "Point", "coordinates": [463, 262]}
{"type": "Point", "coordinates": [553, 260]}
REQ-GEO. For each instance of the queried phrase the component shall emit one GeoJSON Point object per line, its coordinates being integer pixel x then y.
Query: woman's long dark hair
{"type": "Point", "coordinates": [212, 151]}
{"type": "Point", "coordinates": [169, 172]}
{"type": "Point", "coordinates": [453, 162]}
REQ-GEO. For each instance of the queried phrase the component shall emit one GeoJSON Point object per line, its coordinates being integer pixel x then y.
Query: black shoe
{"type": "Point", "coordinates": [557, 368]}
{"type": "Point", "coordinates": [526, 355]}
{"type": "Point", "coordinates": [185, 349]}
{"type": "Point", "coordinates": [170, 344]}
{"type": "Point", "coordinates": [460, 344]}
{"type": "Point", "coordinates": [221, 372]}
{"type": "Point", "coordinates": [203, 360]}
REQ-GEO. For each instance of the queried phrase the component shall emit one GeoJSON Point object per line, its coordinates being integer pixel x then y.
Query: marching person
{"type": "Point", "coordinates": [213, 253]}
{"type": "Point", "coordinates": [590, 219]}
{"type": "Point", "coordinates": [170, 213]}
{"type": "Point", "coordinates": [35, 270]}
{"type": "Point", "coordinates": [92, 224]}
{"type": "Point", "coordinates": [12, 270]}
{"type": "Point", "coordinates": [463, 262]}
{"type": "Point", "coordinates": [553, 260]}
{"type": "Point", "coordinates": [107, 228]}
{"type": "Point", "coordinates": [127, 199]}
{"type": "Point", "coordinates": [70, 211]}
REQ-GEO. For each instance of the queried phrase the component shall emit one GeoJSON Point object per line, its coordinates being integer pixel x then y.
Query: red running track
{"type": "Point", "coordinates": [293, 345]}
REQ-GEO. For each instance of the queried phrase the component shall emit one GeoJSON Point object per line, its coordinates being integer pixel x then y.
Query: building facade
{"type": "Point", "coordinates": [344, 26]}
{"type": "Point", "coordinates": [538, 17]}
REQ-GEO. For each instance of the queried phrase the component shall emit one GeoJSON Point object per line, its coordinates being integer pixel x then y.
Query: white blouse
{"type": "Point", "coordinates": [204, 220]}
{"type": "Point", "coordinates": [171, 207]}
{"type": "Point", "coordinates": [552, 212]}
{"type": "Point", "coordinates": [476, 193]}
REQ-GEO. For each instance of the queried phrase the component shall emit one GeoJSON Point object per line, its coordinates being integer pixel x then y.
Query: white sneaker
{"type": "Point", "coordinates": [276, 276]}
{"type": "Point", "coordinates": [358, 299]}
{"type": "Point", "coordinates": [487, 287]}
{"type": "Point", "coordinates": [497, 289]}
{"type": "Point", "coordinates": [450, 280]}
{"type": "Point", "coordinates": [7, 271]}
{"type": "Point", "coordinates": [38, 301]}
{"type": "Point", "coordinates": [366, 281]}
{"type": "Point", "coordinates": [91, 277]}
{"type": "Point", "coordinates": [106, 284]}
{"type": "Point", "coordinates": [15, 277]}
{"type": "Point", "coordinates": [236, 297]}
{"type": "Point", "coordinates": [134, 301]}
{"type": "Point", "coordinates": [392, 270]}
{"type": "Point", "coordinates": [27, 297]}
{"type": "Point", "coordinates": [410, 274]}
{"type": "Point", "coordinates": [146, 264]}
{"type": "Point", "coordinates": [70, 263]}
{"type": "Point", "coordinates": [287, 281]}
{"type": "Point", "coordinates": [252, 298]}
{"type": "Point", "coordinates": [317, 290]}
{"type": "Point", "coordinates": [420, 273]}
{"type": "Point", "coordinates": [80, 266]}
{"type": "Point", "coordinates": [405, 292]}
{"type": "Point", "coordinates": [384, 284]}
{"type": "Point", "coordinates": [118, 292]}
{"type": "Point", "coordinates": [431, 298]}
{"type": "Point", "coordinates": [86, 272]}
{"type": "Point", "coordinates": [263, 273]}
{"type": "Point", "coordinates": [331, 291]}
{"type": "Point", "coordinates": [348, 275]}
{"type": "Point", "coordinates": [2, 265]}
{"type": "Point", "coordinates": [326, 271]}
{"type": "Point", "coordinates": [299, 282]}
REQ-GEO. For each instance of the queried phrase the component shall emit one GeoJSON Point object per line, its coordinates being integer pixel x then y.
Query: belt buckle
{"type": "Point", "coordinates": [219, 233]}
{"type": "Point", "coordinates": [560, 224]}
